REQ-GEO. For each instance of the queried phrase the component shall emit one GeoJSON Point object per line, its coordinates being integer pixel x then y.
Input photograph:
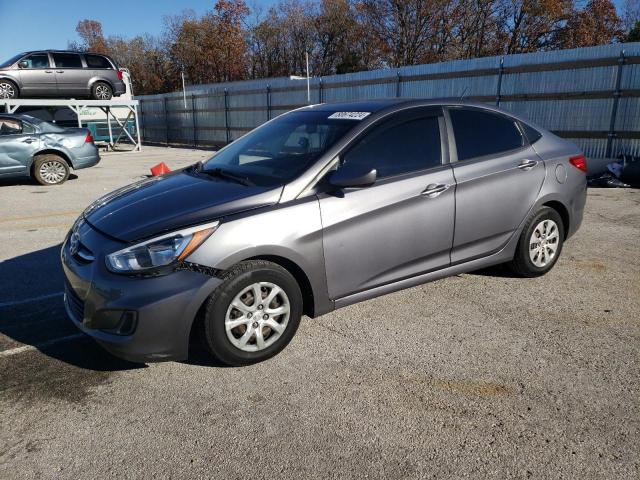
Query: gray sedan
{"type": "Point", "coordinates": [43, 150]}
{"type": "Point", "coordinates": [315, 210]}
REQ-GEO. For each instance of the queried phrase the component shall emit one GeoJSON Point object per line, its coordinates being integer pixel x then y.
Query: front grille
{"type": "Point", "coordinates": [75, 304]}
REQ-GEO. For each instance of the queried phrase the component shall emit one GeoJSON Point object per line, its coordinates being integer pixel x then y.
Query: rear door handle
{"type": "Point", "coordinates": [59, 71]}
{"type": "Point", "coordinates": [28, 140]}
{"type": "Point", "coordinates": [527, 164]}
{"type": "Point", "coordinates": [434, 189]}
{"type": "Point", "coordinates": [48, 71]}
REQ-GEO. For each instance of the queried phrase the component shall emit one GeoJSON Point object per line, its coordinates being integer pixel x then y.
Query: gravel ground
{"type": "Point", "coordinates": [480, 375]}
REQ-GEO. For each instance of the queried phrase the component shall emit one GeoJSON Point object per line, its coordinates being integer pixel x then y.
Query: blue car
{"type": "Point", "coordinates": [30, 147]}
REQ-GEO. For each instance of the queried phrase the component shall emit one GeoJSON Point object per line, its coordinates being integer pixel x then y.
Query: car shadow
{"type": "Point", "coordinates": [32, 313]}
{"type": "Point", "coordinates": [12, 181]}
{"type": "Point", "coordinates": [500, 271]}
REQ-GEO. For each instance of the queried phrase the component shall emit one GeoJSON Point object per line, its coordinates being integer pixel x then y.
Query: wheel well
{"type": "Point", "coordinates": [51, 152]}
{"type": "Point", "coordinates": [563, 212]}
{"type": "Point", "coordinates": [101, 80]}
{"type": "Point", "coordinates": [303, 281]}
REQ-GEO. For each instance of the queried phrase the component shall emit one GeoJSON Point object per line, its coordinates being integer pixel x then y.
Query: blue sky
{"type": "Point", "coordinates": [36, 24]}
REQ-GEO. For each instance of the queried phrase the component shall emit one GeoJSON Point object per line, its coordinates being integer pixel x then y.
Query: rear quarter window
{"type": "Point", "coordinates": [479, 133]}
{"type": "Point", "coordinates": [97, 61]}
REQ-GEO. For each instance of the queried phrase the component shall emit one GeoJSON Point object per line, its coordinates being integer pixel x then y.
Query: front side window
{"type": "Point", "coordinates": [279, 151]}
{"type": "Point", "coordinates": [67, 60]}
{"type": "Point", "coordinates": [479, 133]}
{"type": "Point", "coordinates": [10, 126]}
{"type": "Point", "coordinates": [37, 60]}
{"type": "Point", "coordinates": [96, 61]}
{"type": "Point", "coordinates": [399, 146]}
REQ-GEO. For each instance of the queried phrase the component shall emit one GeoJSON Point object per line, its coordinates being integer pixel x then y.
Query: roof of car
{"type": "Point", "coordinates": [387, 103]}
{"type": "Point", "coordinates": [61, 51]}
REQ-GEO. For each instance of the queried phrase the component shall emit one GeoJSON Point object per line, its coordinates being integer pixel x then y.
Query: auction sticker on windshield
{"type": "Point", "coordinates": [349, 115]}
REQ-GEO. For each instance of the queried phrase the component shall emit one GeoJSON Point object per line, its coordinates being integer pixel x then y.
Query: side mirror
{"type": "Point", "coordinates": [353, 175]}
{"type": "Point", "coordinates": [23, 64]}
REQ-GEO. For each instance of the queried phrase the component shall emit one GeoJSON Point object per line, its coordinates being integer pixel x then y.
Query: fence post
{"type": "Point", "coordinates": [268, 102]}
{"type": "Point", "coordinates": [614, 108]}
{"type": "Point", "coordinates": [226, 114]}
{"type": "Point", "coordinates": [193, 120]}
{"type": "Point", "coordinates": [320, 91]}
{"type": "Point", "coordinates": [166, 121]}
{"type": "Point", "coordinates": [140, 113]}
{"type": "Point", "coordinates": [499, 89]}
{"type": "Point", "coordinates": [398, 83]}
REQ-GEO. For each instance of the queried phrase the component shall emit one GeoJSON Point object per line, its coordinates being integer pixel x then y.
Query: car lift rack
{"type": "Point", "coordinates": [78, 105]}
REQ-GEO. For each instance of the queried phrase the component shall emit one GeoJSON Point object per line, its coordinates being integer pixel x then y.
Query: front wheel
{"type": "Point", "coordinates": [8, 90]}
{"type": "Point", "coordinates": [540, 244]}
{"type": "Point", "coordinates": [253, 314]}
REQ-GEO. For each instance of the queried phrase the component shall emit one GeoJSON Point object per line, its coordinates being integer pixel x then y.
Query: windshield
{"type": "Point", "coordinates": [11, 61]}
{"type": "Point", "coordinates": [281, 150]}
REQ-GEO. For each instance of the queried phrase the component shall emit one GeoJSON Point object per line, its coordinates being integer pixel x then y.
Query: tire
{"type": "Point", "coordinates": [101, 91]}
{"type": "Point", "coordinates": [50, 169]}
{"type": "Point", "coordinates": [546, 230]}
{"type": "Point", "coordinates": [223, 321]}
{"type": "Point", "coordinates": [8, 90]}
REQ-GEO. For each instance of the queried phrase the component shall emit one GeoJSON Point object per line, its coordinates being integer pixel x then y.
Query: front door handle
{"type": "Point", "coordinates": [48, 71]}
{"type": "Point", "coordinates": [59, 71]}
{"type": "Point", "coordinates": [527, 164]}
{"type": "Point", "coordinates": [28, 140]}
{"type": "Point", "coordinates": [434, 189]}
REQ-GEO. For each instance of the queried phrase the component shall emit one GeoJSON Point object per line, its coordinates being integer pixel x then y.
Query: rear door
{"type": "Point", "coordinates": [18, 143]}
{"type": "Point", "coordinates": [71, 76]}
{"type": "Point", "coordinates": [403, 224]}
{"type": "Point", "coordinates": [499, 177]}
{"type": "Point", "coordinates": [36, 75]}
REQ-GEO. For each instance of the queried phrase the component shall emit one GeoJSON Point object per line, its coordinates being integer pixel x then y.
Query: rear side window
{"type": "Point", "coordinates": [480, 133]}
{"type": "Point", "coordinates": [399, 146]}
{"type": "Point", "coordinates": [37, 60]}
{"type": "Point", "coordinates": [67, 60]}
{"type": "Point", "coordinates": [97, 61]}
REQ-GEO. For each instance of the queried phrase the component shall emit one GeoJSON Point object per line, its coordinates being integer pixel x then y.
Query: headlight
{"type": "Point", "coordinates": [160, 251]}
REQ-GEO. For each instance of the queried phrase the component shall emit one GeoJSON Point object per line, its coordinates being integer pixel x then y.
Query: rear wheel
{"type": "Point", "coordinates": [50, 169]}
{"type": "Point", "coordinates": [540, 244]}
{"type": "Point", "coordinates": [8, 89]}
{"type": "Point", "coordinates": [101, 91]}
{"type": "Point", "coordinates": [253, 315]}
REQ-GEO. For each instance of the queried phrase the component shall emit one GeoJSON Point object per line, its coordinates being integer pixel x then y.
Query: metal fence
{"type": "Point", "coordinates": [590, 95]}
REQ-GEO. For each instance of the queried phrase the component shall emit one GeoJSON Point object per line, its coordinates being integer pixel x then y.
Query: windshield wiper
{"type": "Point", "coordinates": [219, 172]}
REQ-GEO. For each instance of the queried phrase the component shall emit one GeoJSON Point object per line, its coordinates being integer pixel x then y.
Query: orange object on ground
{"type": "Point", "coordinates": [160, 169]}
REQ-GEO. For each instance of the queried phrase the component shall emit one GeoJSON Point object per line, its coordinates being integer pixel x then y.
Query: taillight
{"type": "Point", "coordinates": [89, 138]}
{"type": "Point", "coordinates": [119, 74]}
{"type": "Point", "coordinates": [579, 162]}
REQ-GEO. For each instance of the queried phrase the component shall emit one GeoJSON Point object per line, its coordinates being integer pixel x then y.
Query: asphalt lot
{"type": "Point", "coordinates": [479, 375]}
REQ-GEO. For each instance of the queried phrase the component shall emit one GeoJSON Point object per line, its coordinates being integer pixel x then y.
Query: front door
{"type": "Point", "coordinates": [37, 76]}
{"type": "Point", "coordinates": [402, 225]}
{"type": "Point", "coordinates": [499, 177]}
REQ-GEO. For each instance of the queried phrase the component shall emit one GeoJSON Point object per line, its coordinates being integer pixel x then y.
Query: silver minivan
{"type": "Point", "coordinates": [317, 209]}
{"type": "Point", "coordinates": [63, 74]}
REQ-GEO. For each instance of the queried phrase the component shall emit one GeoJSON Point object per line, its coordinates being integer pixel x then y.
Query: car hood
{"type": "Point", "coordinates": [169, 202]}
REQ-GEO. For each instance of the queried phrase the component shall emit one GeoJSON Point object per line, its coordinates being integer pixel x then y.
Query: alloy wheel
{"type": "Point", "coordinates": [52, 172]}
{"type": "Point", "coordinates": [544, 242]}
{"type": "Point", "coordinates": [103, 92]}
{"type": "Point", "coordinates": [7, 90]}
{"type": "Point", "coordinates": [257, 316]}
